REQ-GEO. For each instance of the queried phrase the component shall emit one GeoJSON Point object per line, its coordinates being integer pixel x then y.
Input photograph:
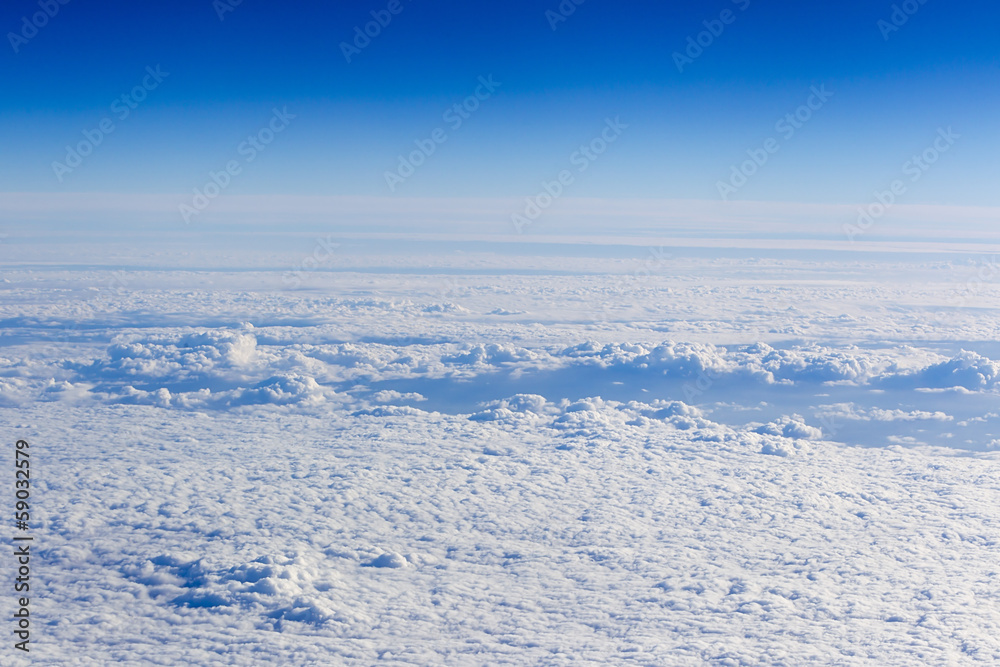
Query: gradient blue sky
{"type": "Point", "coordinates": [607, 59]}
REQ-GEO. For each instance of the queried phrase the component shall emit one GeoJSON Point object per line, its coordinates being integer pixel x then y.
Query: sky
{"type": "Point", "coordinates": [725, 101]}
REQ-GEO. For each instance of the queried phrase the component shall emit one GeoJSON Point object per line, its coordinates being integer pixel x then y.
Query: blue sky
{"type": "Point", "coordinates": [686, 128]}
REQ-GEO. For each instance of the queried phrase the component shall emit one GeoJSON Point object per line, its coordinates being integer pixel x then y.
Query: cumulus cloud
{"type": "Point", "coordinates": [790, 427]}
{"type": "Point", "coordinates": [492, 354]}
{"type": "Point", "coordinates": [859, 413]}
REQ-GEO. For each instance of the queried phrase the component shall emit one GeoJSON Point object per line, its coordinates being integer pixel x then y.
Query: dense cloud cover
{"type": "Point", "coordinates": [467, 483]}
